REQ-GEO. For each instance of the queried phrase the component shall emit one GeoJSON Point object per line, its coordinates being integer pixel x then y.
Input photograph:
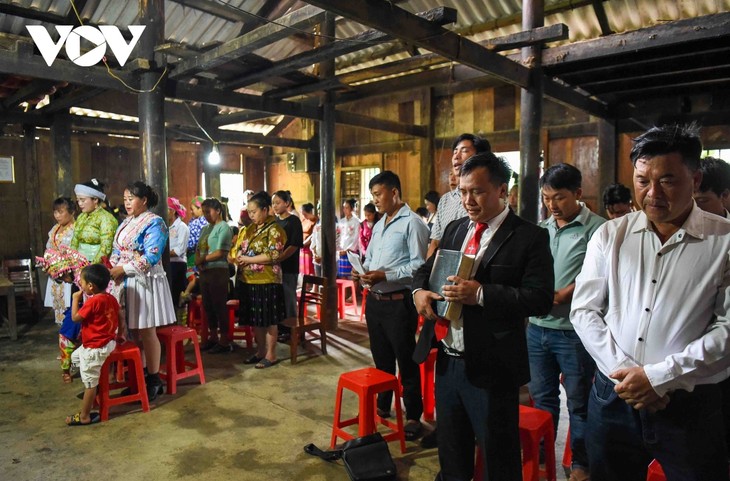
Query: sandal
{"type": "Point", "coordinates": [67, 378]}
{"type": "Point", "coordinates": [264, 363]}
{"type": "Point", "coordinates": [75, 419]}
{"type": "Point", "coordinates": [253, 360]}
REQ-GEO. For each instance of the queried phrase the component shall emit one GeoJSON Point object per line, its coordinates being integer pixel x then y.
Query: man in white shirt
{"type": "Point", "coordinates": [651, 307]}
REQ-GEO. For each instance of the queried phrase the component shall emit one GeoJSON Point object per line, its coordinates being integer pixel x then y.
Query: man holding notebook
{"type": "Point", "coordinates": [482, 358]}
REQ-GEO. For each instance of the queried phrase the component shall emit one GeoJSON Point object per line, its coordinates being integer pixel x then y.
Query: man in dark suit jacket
{"type": "Point", "coordinates": [482, 359]}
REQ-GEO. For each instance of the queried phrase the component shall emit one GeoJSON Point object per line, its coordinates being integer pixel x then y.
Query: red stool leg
{"type": "Point", "coordinates": [336, 421]}
{"type": "Point", "coordinates": [365, 292]}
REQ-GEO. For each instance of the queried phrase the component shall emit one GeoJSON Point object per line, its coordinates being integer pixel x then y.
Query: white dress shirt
{"type": "Point", "coordinates": [455, 337]}
{"type": "Point", "coordinates": [179, 234]}
{"type": "Point", "coordinates": [664, 307]}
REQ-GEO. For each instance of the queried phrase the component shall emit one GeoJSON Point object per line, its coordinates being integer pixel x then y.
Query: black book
{"type": "Point", "coordinates": [449, 263]}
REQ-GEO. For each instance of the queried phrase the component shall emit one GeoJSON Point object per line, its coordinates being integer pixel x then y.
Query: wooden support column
{"type": "Point", "coordinates": [531, 115]}
{"type": "Point", "coordinates": [427, 155]}
{"type": "Point", "coordinates": [212, 172]}
{"type": "Point", "coordinates": [61, 151]}
{"type": "Point", "coordinates": [328, 214]}
{"type": "Point", "coordinates": [151, 102]}
{"type": "Point", "coordinates": [32, 191]}
{"type": "Point", "coordinates": [607, 161]}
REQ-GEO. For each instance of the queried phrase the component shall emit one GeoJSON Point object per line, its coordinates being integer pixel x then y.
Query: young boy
{"type": "Point", "coordinates": [99, 317]}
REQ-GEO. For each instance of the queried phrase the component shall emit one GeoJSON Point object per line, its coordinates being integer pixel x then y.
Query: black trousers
{"type": "Point", "coordinates": [214, 289]}
{"type": "Point", "coordinates": [176, 278]}
{"type": "Point", "coordinates": [392, 329]}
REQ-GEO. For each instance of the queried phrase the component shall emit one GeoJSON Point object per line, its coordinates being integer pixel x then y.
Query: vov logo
{"type": "Point", "coordinates": [100, 36]}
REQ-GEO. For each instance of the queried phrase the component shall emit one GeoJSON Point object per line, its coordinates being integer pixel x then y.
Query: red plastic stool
{"type": "Point", "coordinates": [176, 367]}
{"type": "Point", "coordinates": [365, 292]}
{"type": "Point", "coordinates": [568, 453]}
{"type": "Point", "coordinates": [342, 305]}
{"type": "Point", "coordinates": [127, 355]}
{"type": "Point", "coordinates": [655, 472]}
{"type": "Point", "coordinates": [238, 332]}
{"type": "Point", "coordinates": [196, 317]}
{"type": "Point", "coordinates": [536, 425]}
{"type": "Point", "coordinates": [367, 383]}
{"type": "Point", "coordinates": [428, 388]}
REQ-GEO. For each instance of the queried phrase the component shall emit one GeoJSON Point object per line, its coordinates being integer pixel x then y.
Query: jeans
{"type": "Point", "coordinates": [687, 437]}
{"type": "Point", "coordinates": [552, 352]}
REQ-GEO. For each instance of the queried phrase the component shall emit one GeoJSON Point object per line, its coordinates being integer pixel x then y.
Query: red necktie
{"type": "Point", "coordinates": [441, 328]}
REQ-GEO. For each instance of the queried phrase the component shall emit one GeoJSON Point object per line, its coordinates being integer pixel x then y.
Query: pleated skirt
{"type": "Point", "coordinates": [150, 305]}
{"type": "Point", "coordinates": [261, 305]}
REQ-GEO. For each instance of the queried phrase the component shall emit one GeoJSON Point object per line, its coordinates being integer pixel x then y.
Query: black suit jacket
{"type": "Point", "coordinates": [516, 274]}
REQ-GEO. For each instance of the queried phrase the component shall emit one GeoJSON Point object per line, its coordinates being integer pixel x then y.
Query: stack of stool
{"type": "Point", "coordinates": [342, 304]}
{"type": "Point", "coordinates": [238, 332]}
{"type": "Point", "coordinates": [176, 367]}
{"type": "Point", "coordinates": [196, 317]}
{"type": "Point", "coordinates": [655, 472]}
{"type": "Point", "coordinates": [127, 357]}
{"type": "Point", "coordinates": [367, 383]}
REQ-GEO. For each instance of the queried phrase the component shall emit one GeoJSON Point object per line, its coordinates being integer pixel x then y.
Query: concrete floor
{"type": "Point", "coordinates": [243, 424]}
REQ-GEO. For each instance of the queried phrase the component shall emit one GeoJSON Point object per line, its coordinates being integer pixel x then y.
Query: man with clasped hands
{"type": "Point", "coordinates": [482, 359]}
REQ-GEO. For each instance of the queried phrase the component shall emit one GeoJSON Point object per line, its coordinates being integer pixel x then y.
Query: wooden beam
{"type": "Point", "coordinates": [221, 10]}
{"type": "Point", "coordinates": [538, 35]}
{"type": "Point", "coordinates": [602, 17]}
{"type": "Point", "coordinates": [302, 18]}
{"type": "Point", "coordinates": [708, 27]}
{"type": "Point", "coordinates": [21, 61]}
{"type": "Point", "coordinates": [30, 91]}
{"type": "Point", "coordinates": [283, 124]}
{"type": "Point", "coordinates": [366, 39]}
{"type": "Point", "coordinates": [31, 14]}
{"type": "Point", "coordinates": [73, 99]}
{"type": "Point", "coordinates": [357, 120]}
{"type": "Point", "coordinates": [238, 117]}
{"type": "Point", "coordinates": [382, 147]}
{"type": "Point", "coordinates": [380, 14]}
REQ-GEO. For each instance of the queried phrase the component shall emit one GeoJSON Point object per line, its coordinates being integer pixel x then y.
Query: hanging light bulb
{"type": "Point", "coordinates": [214, 158]}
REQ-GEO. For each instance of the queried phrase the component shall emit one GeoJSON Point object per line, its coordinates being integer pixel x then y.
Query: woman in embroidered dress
{"type": "Point", "coordinates": [58, 294]}
{"type": "Point", "coordinates": [140, 281]}
{"type": "Point", "coordinates": [309, 220]}
{"type": "Point", "coordinates": [349, 238]}
{"type": "Point", "coordinates": [95, 227]}
{"type": "Point", "coordinates": [366, 228]}
{"type": "Point", "coordinates": [211, 259]}
{"type": "Point", "coordinates": [195, 227]}
{"type": "Point", "coordinates": [259, 278]}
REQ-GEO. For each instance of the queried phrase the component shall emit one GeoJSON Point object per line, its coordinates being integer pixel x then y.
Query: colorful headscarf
{"type": "Point", "coordinates": [197, 201]}
{"type": "Point", "coordinates": [175, 205]}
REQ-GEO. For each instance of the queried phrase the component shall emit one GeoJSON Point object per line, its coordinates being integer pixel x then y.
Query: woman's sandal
{"type": "Point", "coordinates": [264, 363]}
{"type": "Point", "coordinates": [75, 419]}
{"type": "Point", "coordinates": [253, 360]}
{"type": "Point", "coordinates": [67, 378]}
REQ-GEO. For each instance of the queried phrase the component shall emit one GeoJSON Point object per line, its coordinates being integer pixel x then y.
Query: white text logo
{"type": "Point", "coordinates": [101, 37]}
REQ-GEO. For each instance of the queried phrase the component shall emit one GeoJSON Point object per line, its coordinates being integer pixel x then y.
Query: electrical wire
{"type": "Point", "coordinates": [109, 70]}
{"type": "Point", "coordinates": [198, 123]}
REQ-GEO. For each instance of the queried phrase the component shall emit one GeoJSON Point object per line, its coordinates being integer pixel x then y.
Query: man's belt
{"type": "Point", "coordinates": [451, 352]}
{"type": "Point", "coordinates": [391, 296]}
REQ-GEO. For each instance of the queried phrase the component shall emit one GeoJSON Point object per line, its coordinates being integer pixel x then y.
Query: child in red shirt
{"type": "Point", "coordinates": [99, 317]}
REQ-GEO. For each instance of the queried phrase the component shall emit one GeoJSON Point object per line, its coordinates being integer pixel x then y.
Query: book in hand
{"type": "Point", "coordinates": [448, 263]}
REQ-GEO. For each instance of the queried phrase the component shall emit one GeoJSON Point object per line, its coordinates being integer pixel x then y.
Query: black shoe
{"type": "Point", "coordinates": [154, 390]}
{"type": "Point", "coordinates": [206, 345]}
{"type": "Point", "coordinates": [383, 413]}
{"type": "Point", "coordinates": [220, 348]}
{"type": "Point", "coordinates": [284, 338]}
{"type": "Point", "coordinates": [430, 440]}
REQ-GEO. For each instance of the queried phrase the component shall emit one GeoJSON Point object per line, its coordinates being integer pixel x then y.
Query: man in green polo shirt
{"type": "Point", "coordinates": [553, 346]}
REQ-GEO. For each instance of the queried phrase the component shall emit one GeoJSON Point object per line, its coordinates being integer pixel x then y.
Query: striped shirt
{"type": "Point", "coordinates": [449, 209]}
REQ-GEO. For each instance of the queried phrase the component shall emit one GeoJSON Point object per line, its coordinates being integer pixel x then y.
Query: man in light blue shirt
{"type": "Point", "coordinates": [397, 249]}
{"type": "Point", "coordinates": [553, 346]}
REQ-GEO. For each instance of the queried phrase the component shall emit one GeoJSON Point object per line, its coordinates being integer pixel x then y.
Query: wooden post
{"type": "Point", "coordinates": [32, 192]}
{"type": "Point", "coordinates": [531, 115]}
{"type": "Point", "coordinates": [151, 102]}
{"type": "Point", "coordinates": [607, 161]}
{"type": "Point", "coordinates": [427, 150]}
{"type": "Point", "coordinates": [212, 172]}
{"type": "Point", "coordinates": [61, 151]}
{"type": "Point", "coordinates": [328, 214]}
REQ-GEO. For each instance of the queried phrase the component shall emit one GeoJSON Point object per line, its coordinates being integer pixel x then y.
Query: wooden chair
{"type": "Point", "coordinates": [23, 276]}
{"type": "Point", "coordinates": [313, 292]}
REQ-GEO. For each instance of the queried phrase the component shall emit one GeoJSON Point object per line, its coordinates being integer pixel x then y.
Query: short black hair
{"type": "Point", "coordinates": [65, 201]}
{"type": "Point", "coordinates": [562, 176]}
{"type": "Point", "coordinates": [97, 275]}
{"type": "Point", "coordinates": [666, 139]}
{"type": "Point", "coordinates": [308, 208]}
{"type": "Point", "coordinates": [370, 207]}
{"type": "Point", "coordinates": [498, 167]}
{"type": "Point", "coordinates": [387, 178]}
{"type": "Point", "coordinates": [143, 191]}
{"type": "Point", "coordinates": [480, 143]}
{"type": "Point", "coordinates": [351, 202]}
{"type": "Point", "coordinates": [616, 194]}
{"type": "Point", "coordinates": [422, 211]}
{"type": "Point", "coordinates": [432, 196]}
{"type": "Point", "coordinates": [715, 175]}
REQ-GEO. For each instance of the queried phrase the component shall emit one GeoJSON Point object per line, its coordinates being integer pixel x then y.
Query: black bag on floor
{"type": "Point", "coordinates": [366, 458]}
